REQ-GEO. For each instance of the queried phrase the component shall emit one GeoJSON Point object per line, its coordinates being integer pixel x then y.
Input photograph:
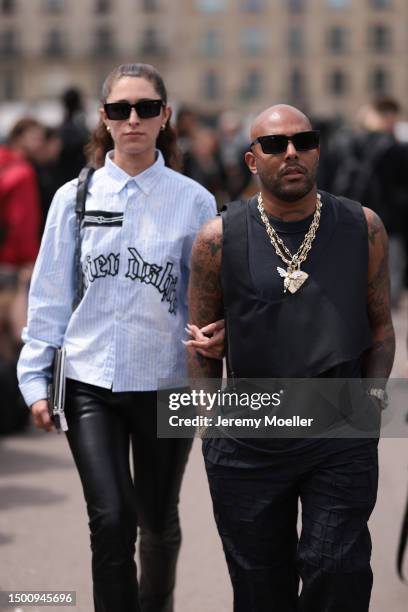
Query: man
{"type": "Point", "coordinates": [325, 312]}
{"type": "Point", "coordinates": [74, 136]}
{"type": "Point", "coordinates": [371, 166]}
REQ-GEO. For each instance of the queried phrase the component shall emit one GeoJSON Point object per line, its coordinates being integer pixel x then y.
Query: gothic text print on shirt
{"type": "Point", "coordinates": [160, 277]}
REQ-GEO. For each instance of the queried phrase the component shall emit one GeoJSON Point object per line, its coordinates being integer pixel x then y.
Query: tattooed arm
{"type": "Point", "coordinates": [378, 360]}
{"type": "Point", "coordinates": [204, 293]}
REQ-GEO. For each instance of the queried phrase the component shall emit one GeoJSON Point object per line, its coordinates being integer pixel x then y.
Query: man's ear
{"type": "Point", "coordinates": [251, 162]}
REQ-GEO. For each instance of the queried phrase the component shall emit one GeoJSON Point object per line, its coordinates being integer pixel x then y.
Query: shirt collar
{"type": "Point", "coordinates": [145, 180]}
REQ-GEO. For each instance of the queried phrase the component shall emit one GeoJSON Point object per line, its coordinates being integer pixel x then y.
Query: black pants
{"type": "Point", "coordinates": [101, 425]}
{"type": "Point", "coordinates": [255, 500]}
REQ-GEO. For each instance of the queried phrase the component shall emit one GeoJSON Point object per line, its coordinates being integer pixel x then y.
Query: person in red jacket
{"type": "Point", "coordinates": [19, 194]}
{"type": "Point", "coordinates": [20, 217]}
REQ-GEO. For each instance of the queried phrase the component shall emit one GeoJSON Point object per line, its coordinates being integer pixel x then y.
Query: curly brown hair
{"type": "Point", "coordinates": [101, 141]}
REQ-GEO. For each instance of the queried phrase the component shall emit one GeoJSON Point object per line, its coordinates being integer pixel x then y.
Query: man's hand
{"type": "Point", "coordinates": [209, 340]}
{"type": "Point", "coordinates": [41, 417]}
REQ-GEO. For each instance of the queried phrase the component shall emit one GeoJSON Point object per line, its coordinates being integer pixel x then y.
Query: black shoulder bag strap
{"type": "Point", "coordinates": [81, 195]}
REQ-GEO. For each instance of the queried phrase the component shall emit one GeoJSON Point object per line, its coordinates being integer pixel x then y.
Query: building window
{"type": "Point", "coordinates": [338, 83]}
{"type": "Point", "coordinates": [54, 6]}
{"type": "Point", "coordinates": [380, 82]}
{"type": "Point", "coordinates": [151, 42]}
{"type": "Point", "coordinates": [8, 87]}
{"type": "Point", "coordinates": [252, 41]}
{"type": "Point", "coordinates": [295, 6]}
{"type": "Point", "coordinates": [55, 44]}
{"type": "Point", "coordinates": [103, 44]}
{"type": "Point", "coordinates": [252, 87]}
{"type": "Point", "coordinates": [338, 4]}
{"type": "Point", "coordinates": [337, 39]}
{"type": "Point", "coordinates": [212, 86]}
{"type": "Point", "coordinates": [211, 6]}
{"type": "Point", "coordinates": [8, 43]}
{"type": "Point", "coordinates": [150, 6]}
{"type": "Point", "coordinates": [295, 41]}
{"type": "Point", "coordinates": [8, 7]}
{"type": "Point", "coordinates": [379, 37]}
{"type": "Point", "coordinates": [380, 4]}
{"type": "Point", "coordinates": [100, 77]}
{"type": "Point", "coordinates": [253, 6]}
{"type": "Point", "coordinates": [211, 43]}
{"type": "Point", "coordinates": [103, 7]}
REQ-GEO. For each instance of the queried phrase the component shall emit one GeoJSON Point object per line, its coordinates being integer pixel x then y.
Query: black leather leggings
{"type": "Point", "coordinates": [101, 425]}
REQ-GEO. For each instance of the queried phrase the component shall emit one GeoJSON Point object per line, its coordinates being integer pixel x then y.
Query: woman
{"type": "Point", "coordinates": [140, 222]}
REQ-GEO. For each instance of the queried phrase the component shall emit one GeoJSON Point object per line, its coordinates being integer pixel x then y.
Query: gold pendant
{"type": "Point", "coordinates": [293, 279]}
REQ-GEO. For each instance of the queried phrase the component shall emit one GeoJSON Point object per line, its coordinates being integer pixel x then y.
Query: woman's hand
{"type": "Point", "coordinates": [41, 417]}
{"type": "Point", "coordinates": [209, 340]}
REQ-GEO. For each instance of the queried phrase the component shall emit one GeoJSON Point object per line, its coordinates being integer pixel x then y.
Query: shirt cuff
{"type": "Point", "coordinates": [34, 390]}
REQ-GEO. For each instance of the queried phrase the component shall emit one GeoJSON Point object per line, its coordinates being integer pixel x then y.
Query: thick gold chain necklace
{"type": "Point", "coordinates": [293, 277]}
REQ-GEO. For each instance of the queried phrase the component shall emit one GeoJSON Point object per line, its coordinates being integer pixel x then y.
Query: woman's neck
{"type": "Point", "coordinates": [134, 164]}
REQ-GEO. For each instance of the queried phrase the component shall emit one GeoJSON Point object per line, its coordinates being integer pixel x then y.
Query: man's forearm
{"type": "Point", "coordinates": [205, 306]}
{"type": "Point", "coordinates": [203, 367]}
{"type": "Point", "coordinates": [378, 360]}
{"type": "Point", "coordinates": [205, 295]}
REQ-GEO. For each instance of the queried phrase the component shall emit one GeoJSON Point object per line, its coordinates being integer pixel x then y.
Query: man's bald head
{"type": "Point", "coordinates": [279, 119]}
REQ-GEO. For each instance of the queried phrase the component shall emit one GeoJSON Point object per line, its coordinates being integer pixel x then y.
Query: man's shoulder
{"type": "Point", "coordinates": [368, 220]}
{"type": "Point", "coordinates": [327, 195]}
{"type": "Point", "coordinates": [208, 244]}
{"type": "Point", "coordinates": [374, 223]}
{"type": "Point", "coordinates": [235, 205]}
{"type": "Point", "coordinates": [211, 230]}
{"type": "Point", "coordinates": [343, 204]}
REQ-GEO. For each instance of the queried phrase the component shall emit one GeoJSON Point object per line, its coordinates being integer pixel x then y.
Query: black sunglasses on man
{"type": "Point", "coordinates": [273, 144]}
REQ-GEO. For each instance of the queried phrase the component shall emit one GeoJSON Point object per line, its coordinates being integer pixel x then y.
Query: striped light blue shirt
{"type": "Point", "coordinates": [137, 236]}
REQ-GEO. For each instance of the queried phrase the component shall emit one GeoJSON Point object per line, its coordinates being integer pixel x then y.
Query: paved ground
{"type": "Point", "coordinates": [43, 527]}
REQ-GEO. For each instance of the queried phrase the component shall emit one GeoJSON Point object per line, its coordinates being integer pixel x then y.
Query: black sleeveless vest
{"type": "Point", "coordinates": [325, 323]}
